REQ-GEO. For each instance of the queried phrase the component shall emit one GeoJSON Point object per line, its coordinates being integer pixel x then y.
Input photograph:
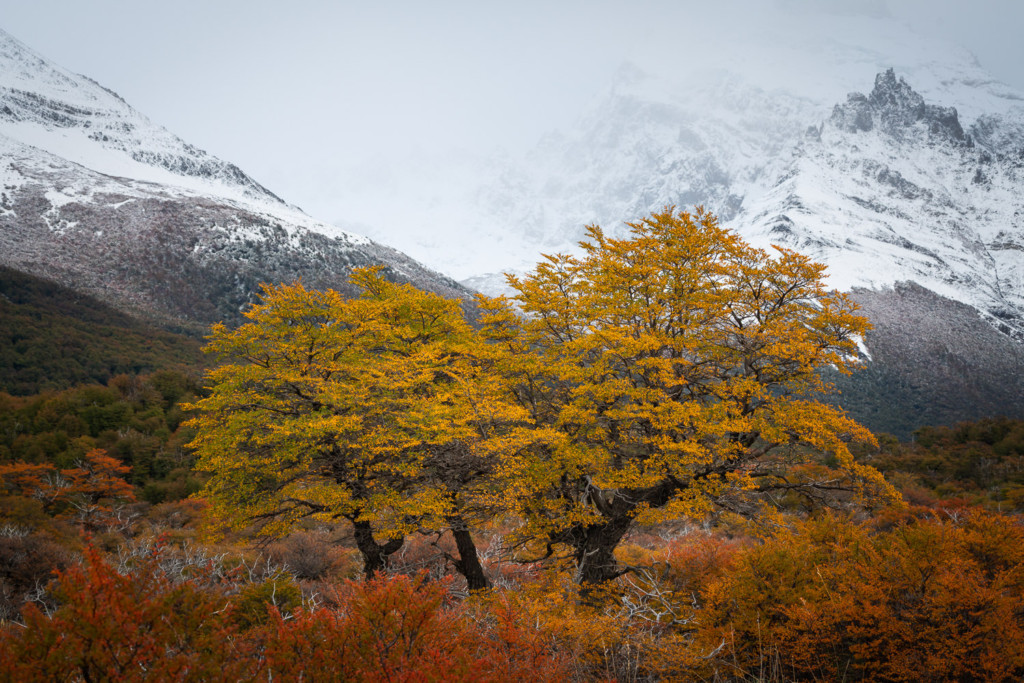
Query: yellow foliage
{"type": "Point", "coordinates": [671, 373]}
{"type": "Point", "coordinates": [680, 369]}
{"type": "Point", "coordinates": [376, 408]}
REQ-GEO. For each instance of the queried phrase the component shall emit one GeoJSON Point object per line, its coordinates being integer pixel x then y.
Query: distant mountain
{"type": "Point", "coordinates": [933, 361]}
{"type": "Point", "coordinates": [880, 178]}
{"type": "Point", "coordinates": [748, 132]}
{"type": "Point", "coordinates": [910, 191]}
{"type": "Point", "coordinates": [98, 198]}
{"type": "Point", "coordinates": [892, 188]}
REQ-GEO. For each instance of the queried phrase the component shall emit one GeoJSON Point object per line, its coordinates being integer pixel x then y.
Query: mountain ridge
{"type": "Point", "coordinates": [62, 112]}
{"type": "Point", "coordinates": [98, 198]}
{"type": "Point", "coordinates": [934, 197]}
{"type": "Point", "coordinates": [892, 189]}
{"type": "Point", "coordinates": [911, 206]}
{"type": "Point", "coordinates": [885, 188]}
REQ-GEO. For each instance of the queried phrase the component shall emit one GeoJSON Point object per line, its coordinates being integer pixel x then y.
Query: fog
{"type": "Point", "coordinates": [318, 98]}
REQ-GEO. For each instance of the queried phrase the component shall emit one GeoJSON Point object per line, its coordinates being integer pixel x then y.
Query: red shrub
{"type": "Point", "coordinates": [404, 629]}
{"type": "Point", "coordinates": [117, 627]}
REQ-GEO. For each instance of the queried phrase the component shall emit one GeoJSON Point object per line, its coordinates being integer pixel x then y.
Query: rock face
{"type": "Point", "coordinates": [178, 259]}
{"type": "Point", "coordinates": [933, 361]}
{"type": "Point", "coordinates": [96, 197]}
{"type": "Point", "coordinates": [894, 106]}
{"type": "Point", "coordinates": [924, 221]}
{"type": "Point", "coordinates": [885, 187]}
{"type": "Point", "coordinates": [892, 189]}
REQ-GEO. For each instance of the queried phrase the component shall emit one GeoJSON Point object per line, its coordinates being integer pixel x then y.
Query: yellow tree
{"type": "Point", "coordinates": [678, 370]}
{"type": "Point", "coordinates": [369, 409]}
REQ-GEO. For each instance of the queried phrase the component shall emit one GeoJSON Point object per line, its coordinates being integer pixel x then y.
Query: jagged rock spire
{"type": "Point", "coordinates": [893, 106]}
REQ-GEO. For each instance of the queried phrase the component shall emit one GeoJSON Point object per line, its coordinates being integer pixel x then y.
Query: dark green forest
{"type": "Point", "coordinates": [54, 338]}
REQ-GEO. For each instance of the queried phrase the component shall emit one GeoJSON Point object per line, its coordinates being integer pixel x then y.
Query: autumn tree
{"type": "Point", "coordinates": [676, 372]}
{"type": "Point", "coordinates": [89, 491]}
{"type": "Point", "coordinates": [372, 409]}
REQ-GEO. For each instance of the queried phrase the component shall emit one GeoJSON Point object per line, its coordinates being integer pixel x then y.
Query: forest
{"type": "Point", "coordinates": [625, 471]}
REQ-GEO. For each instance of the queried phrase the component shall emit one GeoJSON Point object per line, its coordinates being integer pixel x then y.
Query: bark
{"type": "Point", "coordinates": [468, 563]}
{"type": "Point", "coordinates": [594, 545]}
{"type": "Point", "coordinates": [594, 551]}
{"type": "Point", "coordinates": [375, 555]}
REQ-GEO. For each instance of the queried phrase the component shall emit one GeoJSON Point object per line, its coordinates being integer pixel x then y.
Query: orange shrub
{"type": "Point", "coordinates": [148, 625]}
{"type": "Point", "coordinates": [928, 599]}
{"type": "Point", "coordinates": [405, 629]}
{"type": "Point", "coordinates": [117, 627]}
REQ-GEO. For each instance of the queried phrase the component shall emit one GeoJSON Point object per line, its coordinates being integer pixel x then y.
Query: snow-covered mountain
{"type": "Point", "coordinates": [96, 196]}
{"type": "Point", "coordinates": [715, 122]}
{"type": "Point", "coordinates": [886, 187]}
{"type": "Point", "coordinates": [76, 119]}
{"type": "Point", "coordinates": [891, 189]}
{"type": "Point", "coordinates": [910, 189]}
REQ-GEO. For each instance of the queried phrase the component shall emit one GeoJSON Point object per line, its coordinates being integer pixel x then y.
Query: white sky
{"type": "Point", "coordinates": [303, 94]}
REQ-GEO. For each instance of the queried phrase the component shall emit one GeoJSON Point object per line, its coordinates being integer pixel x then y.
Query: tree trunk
{"type": "Point", "coordinates": [594, 551]}
{"type": "Point", "coordinates": [375, 555]}
{"type": "Point", "coordinates": [468, 563]}
{"type": "Point", "coordinates": [594, 545]}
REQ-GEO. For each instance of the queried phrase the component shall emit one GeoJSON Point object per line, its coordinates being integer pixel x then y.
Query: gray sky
{"type": "Point", "coordinates": [298, 93]}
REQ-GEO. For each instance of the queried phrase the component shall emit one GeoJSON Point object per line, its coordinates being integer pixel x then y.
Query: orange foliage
{"type": "Point", "coordinates": [400, 629]}
{"type": "Point", "coordinates": [85, 492]}
{"type": "Point", "coordinates": [374, 409]}
{"type": "Point", "coordinates": [27, 480]}
{"type": "Point", "coordinates": [96, 477]}
{"type": "Point", "coordinates": [144, 625]}
{"type": "Point", "coordinates": [116, 627]}
{"type": "Point", "coordinates": [930, 599]}
{"type": "Point", "coordinates": [670, 374]}
{"type": "Point", "coordinates": [914, 597]}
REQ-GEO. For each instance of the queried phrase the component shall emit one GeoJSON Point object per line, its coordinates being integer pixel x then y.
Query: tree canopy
{"type": "Point", "coordinates": [668, 374]}
{"type": "Point", "coordinates": [679, 368]}
{"type": "Point", "coordinates": [373, 409]}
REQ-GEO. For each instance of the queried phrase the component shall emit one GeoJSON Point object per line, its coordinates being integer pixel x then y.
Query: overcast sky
{"type": "Point", "coordinates": [309, 89]}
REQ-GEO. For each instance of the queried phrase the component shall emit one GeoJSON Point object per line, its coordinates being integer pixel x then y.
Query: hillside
{"type": "Point", "coordinates": [53, 338]}
{"type": "Point", "coordinates": [96, 197]}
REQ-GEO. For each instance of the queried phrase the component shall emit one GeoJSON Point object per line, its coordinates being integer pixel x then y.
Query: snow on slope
{"type": "Point", "coordinates": [73, 118]}
{"type": "Point", "coordinates": [714, 125]}
{"type": "Point", "coordinates": [760, 143]}
{"type": "Point", "coordinates": [96, 197]}
{"type": "Point", "coordinates": [892, 189]}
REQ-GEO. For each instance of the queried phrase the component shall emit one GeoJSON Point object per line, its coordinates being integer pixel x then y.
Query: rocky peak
{"type": "Point", "coordinates": [893, 107]}
{"type": "Point", "coordinates": [895, 99]}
